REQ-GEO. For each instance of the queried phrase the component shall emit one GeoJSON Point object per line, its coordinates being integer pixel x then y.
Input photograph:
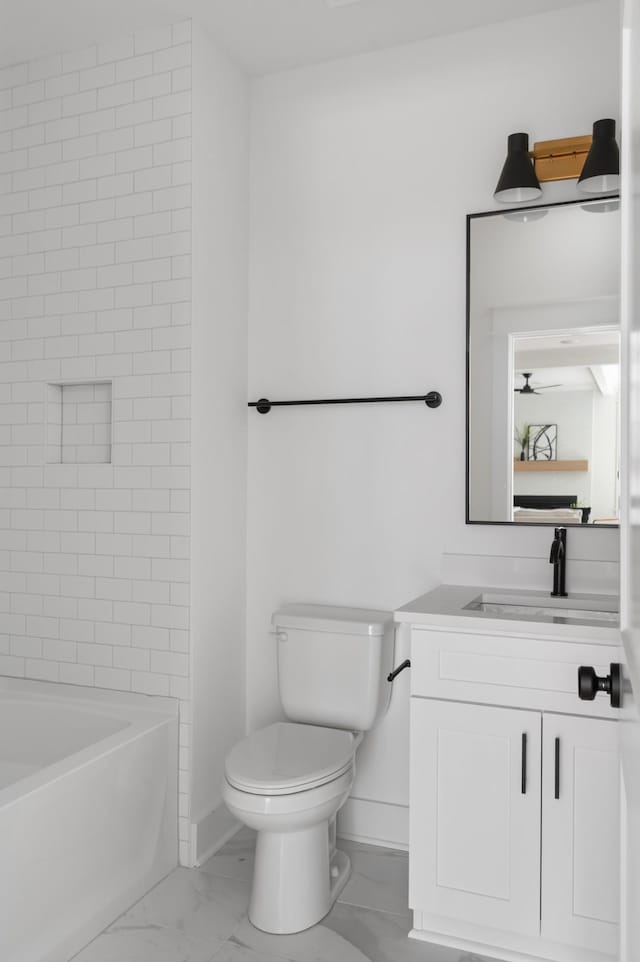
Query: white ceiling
{"type": "Point", "coordinates": [568, 341]}
{"type": "Point", "coordinates": [554, 380]}
{"type": "Point", "coordinates": [261, 35]}
{"type": "Point", "coordinates": [570, 361]}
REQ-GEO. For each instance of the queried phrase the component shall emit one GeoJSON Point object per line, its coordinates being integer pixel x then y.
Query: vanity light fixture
{"type": "Point", "coordinates": [594, 161]}
{"type": "Point", "coordinates": [601, 171]}
{"type": "Point", "coordinates": [518, 181]}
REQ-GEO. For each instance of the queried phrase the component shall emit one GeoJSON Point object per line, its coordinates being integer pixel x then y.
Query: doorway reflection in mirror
{"type": "Point", "coordinates": [570, 405]}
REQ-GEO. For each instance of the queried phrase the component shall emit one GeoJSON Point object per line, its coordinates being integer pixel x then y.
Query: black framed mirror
{"type": "Point", "coordinates": [543, 365]}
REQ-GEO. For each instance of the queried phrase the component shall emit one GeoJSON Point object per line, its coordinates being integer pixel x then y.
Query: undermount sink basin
{"type": "Point", "coordinates": [538, 606]}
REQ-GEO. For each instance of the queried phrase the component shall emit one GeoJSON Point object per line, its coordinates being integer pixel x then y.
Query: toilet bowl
{"type": "Point", "coordinates": [288, 780]}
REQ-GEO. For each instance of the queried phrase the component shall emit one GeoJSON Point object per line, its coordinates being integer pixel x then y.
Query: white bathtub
{"type": "Point", "coordinates": [88, 811]}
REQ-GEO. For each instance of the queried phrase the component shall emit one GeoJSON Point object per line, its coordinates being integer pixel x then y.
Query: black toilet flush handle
{"type": "Point", "coordinates": [396, 671]}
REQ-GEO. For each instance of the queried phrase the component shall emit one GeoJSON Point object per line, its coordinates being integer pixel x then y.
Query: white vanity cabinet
{"type": "Point", "coordinates": [580, 832]}
{"type": "Point", "coordinates": [514, 798]}
{"type": "Point", "coordinates": [474, 832]}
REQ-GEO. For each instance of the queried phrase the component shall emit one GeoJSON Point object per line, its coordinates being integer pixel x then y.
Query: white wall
{"type": "Point", "coordinates": [605, 483]}
{"type": "Point", "coordinates": [572, 413]}
{"type": "Point", "coordinates": [95, 233]}
{"type": "Point", "coordinates": [362, 173]}
{"type": "Point", "coordinates": [219, 415]}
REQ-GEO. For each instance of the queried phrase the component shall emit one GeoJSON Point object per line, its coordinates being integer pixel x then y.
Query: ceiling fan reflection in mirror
{"type": "Point", "coordinates": [528, 389]}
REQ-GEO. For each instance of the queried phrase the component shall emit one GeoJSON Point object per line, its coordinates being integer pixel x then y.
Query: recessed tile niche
{"type": "Point", "coordinates": [79, 423]}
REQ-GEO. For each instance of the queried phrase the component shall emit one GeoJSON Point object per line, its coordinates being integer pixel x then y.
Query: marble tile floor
{"type": "Point", "coordinates": [200, 915]}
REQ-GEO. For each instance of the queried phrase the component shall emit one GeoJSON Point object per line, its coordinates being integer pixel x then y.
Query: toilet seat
{"type": "Point", "coordinates": [286, 758]}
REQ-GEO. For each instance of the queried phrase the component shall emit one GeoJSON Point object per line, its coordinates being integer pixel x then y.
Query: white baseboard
{"type": "Point", "coordinates": [211, 833]}
{"type": "Point", "coordinates": [375, 823]}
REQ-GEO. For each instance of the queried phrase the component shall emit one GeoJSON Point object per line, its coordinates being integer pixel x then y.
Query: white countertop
{"type": "Point", "coordinates": [444, 607]}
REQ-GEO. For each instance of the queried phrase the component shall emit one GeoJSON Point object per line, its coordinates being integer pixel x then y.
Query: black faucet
{"type": "Point", "coordinates": [558, 558]}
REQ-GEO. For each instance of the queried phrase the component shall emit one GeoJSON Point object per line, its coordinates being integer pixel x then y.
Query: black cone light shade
{"type": "Point", "coordinates": [601, 171]}
{"type": "Point", "coordinates": [518, 181]}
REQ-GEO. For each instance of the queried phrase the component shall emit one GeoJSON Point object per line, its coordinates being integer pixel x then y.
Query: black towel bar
{"type": "Point", "coordinates": [433, 400]}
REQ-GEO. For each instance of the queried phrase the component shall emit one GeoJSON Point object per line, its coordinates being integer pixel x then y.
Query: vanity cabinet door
{"type": "Point", "coordinates": [475, 814]}
{"type": "Point", "coordinates": [580, 832]}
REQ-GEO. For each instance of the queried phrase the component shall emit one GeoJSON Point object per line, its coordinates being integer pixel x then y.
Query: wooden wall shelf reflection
{"type": "Point", "coordinates": [580, 465]}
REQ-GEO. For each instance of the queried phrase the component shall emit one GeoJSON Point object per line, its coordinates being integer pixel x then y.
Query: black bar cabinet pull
{"type": "Point", "coordinates": [433, 399]}
{"type": "Point", "coordinates": [524, 764]}
{"type": "Point", "coordinates": [557, 769]}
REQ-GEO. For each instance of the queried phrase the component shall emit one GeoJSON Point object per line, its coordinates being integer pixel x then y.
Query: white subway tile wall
{"type": "Point", "coordinates": [95, 243]}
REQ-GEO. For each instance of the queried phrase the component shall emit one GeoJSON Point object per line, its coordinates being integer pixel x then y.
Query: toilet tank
{"type": "Point", "coordinates": [333, 664]}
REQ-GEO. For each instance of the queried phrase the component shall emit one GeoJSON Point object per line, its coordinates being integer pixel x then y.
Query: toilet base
{"type": "Point", "coordinates": [340, 872]}
{"type": "Point", "coordinates": [298, 873]}
{"type": "Point", "coordinates": [297, 878]}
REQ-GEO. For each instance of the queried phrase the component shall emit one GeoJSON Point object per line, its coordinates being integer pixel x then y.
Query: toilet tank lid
{"type": "Point", "coordinates": [349, 621]}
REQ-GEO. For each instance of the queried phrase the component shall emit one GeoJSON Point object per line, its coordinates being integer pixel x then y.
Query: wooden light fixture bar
{"type": "Point", "coordinates": [560, 159]}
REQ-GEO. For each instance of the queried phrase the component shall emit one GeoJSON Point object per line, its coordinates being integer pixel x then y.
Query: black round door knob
{"type": "Point", "coordinates": [589, 684]}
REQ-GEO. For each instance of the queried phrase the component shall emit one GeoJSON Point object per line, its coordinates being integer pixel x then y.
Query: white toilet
{"type": "Point", "coordinates": [288, 780]}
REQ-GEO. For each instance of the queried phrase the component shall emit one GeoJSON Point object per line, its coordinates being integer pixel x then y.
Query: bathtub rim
{"type": "Point", "coordinates": [140, 713]}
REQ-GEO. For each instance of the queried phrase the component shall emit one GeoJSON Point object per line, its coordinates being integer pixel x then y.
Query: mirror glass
{"type": "Point", "coordinates": [543, 369]}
